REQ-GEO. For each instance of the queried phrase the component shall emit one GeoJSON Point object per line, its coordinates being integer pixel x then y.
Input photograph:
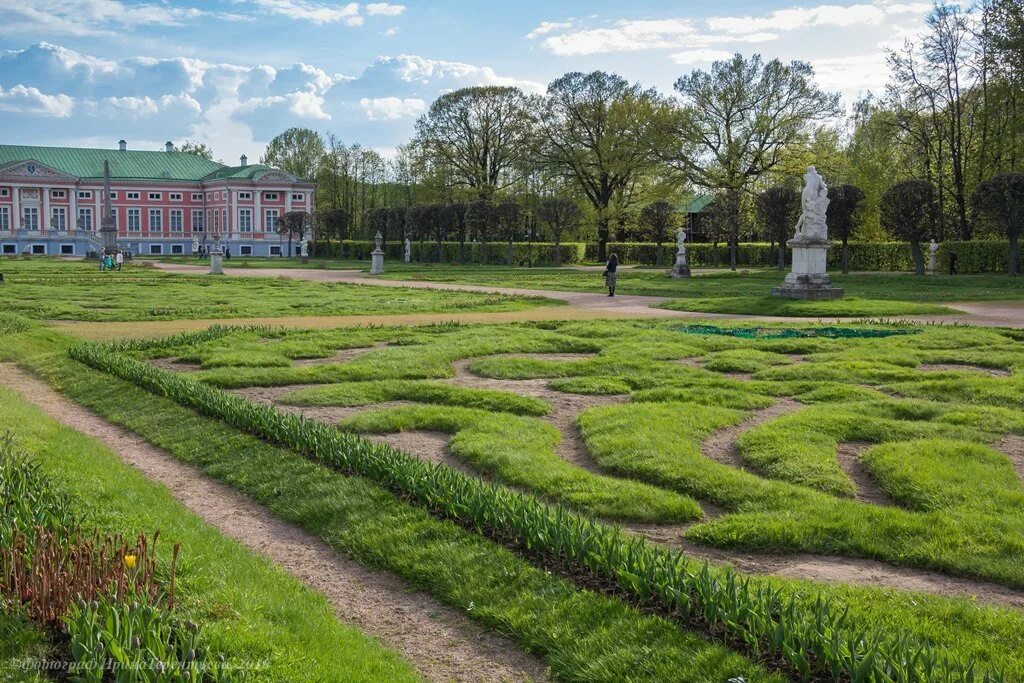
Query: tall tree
{"type": "Point", "coordinates": [478, 134]}
{"type": "Point", "coordinates": [334, 223]}
{"type": "Point", "coordinates": [1000, 199]}
{"type": "Point", "coordinates": [297, 151]}
{"type": "Point", "coordinates": [777, 210]}
{"type": "Point", "coordinates": [842, 213]}
{"type": "Point", "coordinates": [559, 214]}
{"type": "Point", "coordinates": [508, 218]}
{"type": "Point", "coordinates": [595, 129]}
{"type": "Point", "coordinates": [659, 218]}
{"type": "Point", "coordinates": [197, 148]}
{"type": "Point", "coordinates": [480, 221]}
{"type": "Point", "coordinates": [294, 224]}
{"type": "Point", "coordinates": [733, 124]}
{"type": "Point", "coordinates": [908, 213]}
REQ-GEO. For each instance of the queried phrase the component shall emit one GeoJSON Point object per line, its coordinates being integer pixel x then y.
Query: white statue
{"type": "Point", "coordinates": [933, 256]}
{"type": "Point", "coordinates": [408, 250]}
{"type": "Point", "coordinates": [195, 245]}
{"type": "Point", "coordinates": [813, 204]}
{"type": "Point", "coordinates": [681, 243]}
{"type": "Point", "coordinates": [304, 246]}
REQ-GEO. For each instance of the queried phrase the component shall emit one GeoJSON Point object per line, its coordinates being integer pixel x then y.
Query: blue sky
{"type": "Point", "coordinates": [233, 73]}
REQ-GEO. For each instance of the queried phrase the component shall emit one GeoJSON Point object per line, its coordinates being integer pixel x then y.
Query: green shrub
{"type": "Point", "coordinates": [525, 253]}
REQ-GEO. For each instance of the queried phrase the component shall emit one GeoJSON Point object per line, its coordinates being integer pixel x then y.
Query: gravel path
{"type": "Point", "coordinates": [440, 642]}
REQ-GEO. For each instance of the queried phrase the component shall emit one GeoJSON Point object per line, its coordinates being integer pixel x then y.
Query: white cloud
{"type": "Point", "coordinates": [413, 69]}
{"type": "Point", "coordinates": [29, 100]}
{"type": "Point", "coordinates": [384, 9]}
{"type": "Point", "coordinates": [392, 108]}
{"type": "Point", "coordinates": [390, 32]}
{"type": "Point", "coordinates": [547, 27]}
{"type": "Point", "coordinates": [96, 17]}
{"type": "Point", "coordinates": [853, 74]}
{"type": "Point", "coordinates": [699, 55]}
{"type": "Point", "coordinates": [625, 35]}
{"type": "Point", "coordinates": [314, 12]}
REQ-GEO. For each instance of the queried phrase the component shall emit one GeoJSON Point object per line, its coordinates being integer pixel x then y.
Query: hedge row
{"type": "Point", "coordinates": [811, 638]}
{"type": "Point", "coordinates": [523, 253]}
{"type": "Point", "coordinates": [884, 256]}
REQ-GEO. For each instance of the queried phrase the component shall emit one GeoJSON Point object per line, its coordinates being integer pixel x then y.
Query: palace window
{"type": "Point", "coordinates": [4, 192]}
{"type": "Point", "coordinates": [84, 218]}
{"type": "Point", "coordinates": [67, 250]}
{"type": "Point", "coordinates": [59, 218]}
{"type": "Point", "coordinates": [275, 250]}
{"type": "Point", "coordinates": [30, 217]}
{"type": "Point", "coordinates": [197, 220]}
{"type": "Point", "coordinates": [5, 218]}
{"type": "Point", "coordinates": [131, 195]}
{"type": "Point", "coordinates": [245, 250]}
{"type": "Point", "coordinates": [245, 195]}
{"type": "Point", "coordinates": [197, 196]}
{"type": "Point", "coordinates": [113, 195]}
{"type": "Point", "coordinates": [225, 219]}
{"type": "Point", "coordinates": [10, 248]}
{"type": "Point", "coordinates": [177, 249]}
{"type": "Point", "coordinates": [298, 197]}
{"type": "Point", "coordinates": [134, 220]}
{"type": "Point", "coordinates": [177, 220]}
{"type": "Point", "coordinates": [216, 221]}
{"type": "Point", "coordinates": [270, 218]}
{"type": "Point", "coordinates": [58, 194]}
{"type": "Point", "coordinates": [270, 196]}
{"type": "Point", "coordinates": [175, 196]}
{"type": "Point", "coordinates": [155, 196]}
{"type": "Point", "coordinates": [156, 249]}
{"type": "Point", "coordinates": [156, 220]}
{"type": "Point", "coordinates": [85, 194]}
{"type": "Point", "coordinates": [245, 220]}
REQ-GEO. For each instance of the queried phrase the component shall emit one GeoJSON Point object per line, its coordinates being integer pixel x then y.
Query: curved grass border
{"type": "Point", "coordinates": [810, 639]}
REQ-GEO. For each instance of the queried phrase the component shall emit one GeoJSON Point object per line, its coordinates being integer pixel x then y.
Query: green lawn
{"type": "Point", "coordinates": [250, 611]}
{"type": "Point", "coordinates": [57, 289]}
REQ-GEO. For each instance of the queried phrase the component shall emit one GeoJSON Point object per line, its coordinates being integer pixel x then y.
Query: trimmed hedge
{"type": "Point", "coordinates": [523, 253]}
{"type": "Point", "coordinates": [811, 637]}
{"type": "Point", "coordinates": [976, 256]}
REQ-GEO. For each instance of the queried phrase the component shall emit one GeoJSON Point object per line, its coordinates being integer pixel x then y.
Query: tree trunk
{"type": "Point", "coordinates": [510, 256]}
{"type": "Point", "coordinates": [915, 249]}
{"type": "Point", "coordinates": [440, 251]}
{"type": "Point", "coordinates": [483, 250]}
{"type": "Point", "coordinates": [657, 258]}
{"type": "Point", "coordinates": [341, 249]}
{"type": "Point", "coordinates": [781, 258]}
{"type": "Point", "coordinates": [1012, 263]}
{"type": "Point", "coordinates": [558, 251]}
{"type": "Point", "coordinates": [846, 258]}
{"type": "Point", "coordinates": [602, 238]}
{"type": "Point", "coordinates": [462, 249]}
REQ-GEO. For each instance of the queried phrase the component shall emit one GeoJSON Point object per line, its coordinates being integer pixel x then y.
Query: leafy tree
{"type": "Point", "coordinates": [1001, 200]}
{"type": "Point", "coordinates": [419, 221]}
{"type": "Point", "coordinates": [456, 214]}
{"type": "Point", "coordinates": [478, 134]}
{"type": "Point", "coordinates": [508, 218]}
{"type": "Point", "coordinates": [659, 218]}
{"type": "Point", "coordinates": [844, 203]}
{"type": "Point", "coordinates": [298, 151]}
{"type": "Point", "coordinates": [777, 209]}
{"type": "Point", "coordinates": [594, 130]}
{"type": "Point", "coordinates": [559, 214]}
{"type": "Point", "coordinates": [294, 224]}
{"type": "Point", "coordinates": [376, 220]}
{"type": "Point", "coordinates": [480, 222]}
{"type": "Point", "coordinates": [734, 123]}
{"type": "Point", "coordinates": [334, 223]}
{"type": "Point", "coordinates": [395, 225]}
{"type": "Point", "coordinates": [908, 213]}
{"type": "Point", "coordinates": [445, 221]}
{"type": "Point", "coordinates": [196, 148]}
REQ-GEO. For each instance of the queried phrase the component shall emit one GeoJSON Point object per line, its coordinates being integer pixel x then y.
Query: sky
{"type": "Point", "coordinates": [234, 73]}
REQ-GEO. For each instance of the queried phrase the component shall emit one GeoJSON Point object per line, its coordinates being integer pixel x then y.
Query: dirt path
{"type": "Point", "coordinates": [721, 445]}
{"type": "Point", "coordinates": [439, 641]}
{"type": "Point", "coordinates": [983, 313]}
{"type": "Point", "coordinates": [867, 489]}
{"type": "Point", "coordinates": [1012, 446]}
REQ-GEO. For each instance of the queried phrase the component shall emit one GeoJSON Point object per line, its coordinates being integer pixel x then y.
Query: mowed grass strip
{"type": "Point", "coordinates": [249, 611]}
{"type": "Point", "coordinates": [582, 635]}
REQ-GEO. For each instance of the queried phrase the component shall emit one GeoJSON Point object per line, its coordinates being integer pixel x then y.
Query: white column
{"type": "Point", "coordinates": [232, 207]}
{"type": "Point", "coordinates": [16, 208]}
{"type": "Point", "coordinates": [98, 214]}
{"type": "Point", "coordinates": [73, 208]}
{"type": "Point", "coordinates": [44, 208]}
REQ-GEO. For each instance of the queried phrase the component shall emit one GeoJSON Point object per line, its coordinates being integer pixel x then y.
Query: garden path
{"type": "Point", "coordinates": [440, 642]}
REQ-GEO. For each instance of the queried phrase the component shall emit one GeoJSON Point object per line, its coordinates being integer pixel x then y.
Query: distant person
{"type": "Point", "coordinates": [227, 253]}
{"type": "Point", "coordinates": [99, 255]}
{"type": "Point", "coordinates": [119, 259]}
{"type": "Point", "coordinates": [610, 274]}
{"type": "Point", "coordinates": [108, 262]}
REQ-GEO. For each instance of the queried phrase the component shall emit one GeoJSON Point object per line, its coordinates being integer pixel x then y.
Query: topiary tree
{"type": "Point", "coordinates": [444, 224]}
{"type": "Point", "coordinates": [480, 221]}
{"type": "Point", "coordinates": [294, 224]}
{"type": "Point", "coordinates": [396, 223]}
{"type": "Point", "coordinates": [508, 217]}
{"type": "Point", "coordinates": [659, 220]}
{"type": "Point", "coordinates": [1001, 200]}
{"type": "Point", "coordinates": [908, 213]}
{"type": "Point", "coordinates": [777, 210]}
{"type": "Point", "coordinates": [841, 215]}
{"type": "Point", "coordinates": [457, 214]}
{"type": "Point", "coordinates": [334, 224]}
{"type": "Point", "coordinates": [559, 214]}
{"type": "Point", "coordinates": [418, 225]}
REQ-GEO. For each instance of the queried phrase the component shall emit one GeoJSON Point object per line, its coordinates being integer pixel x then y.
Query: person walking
{"type": "Point", "coordinates": [108, 262]}
{"type": "Point", "coordinates": [611, 274]}
{"type": "Point", "coordinates": [100, 256]}
{"type": "Point", "coordinates": [119, 259]}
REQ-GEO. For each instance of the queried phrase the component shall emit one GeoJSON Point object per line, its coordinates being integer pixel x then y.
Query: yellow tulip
{"type": "Point", "coordinates": [129, 561]}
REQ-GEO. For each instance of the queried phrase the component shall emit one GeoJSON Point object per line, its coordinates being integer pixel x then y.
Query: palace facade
{"type": "Point", "coordinates": [51, 201]}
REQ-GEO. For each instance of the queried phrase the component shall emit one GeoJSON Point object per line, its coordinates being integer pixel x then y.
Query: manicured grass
{"type": "Point", "coordinates": [769, 305]}
{"type": "Point", "coordinates": [23, 649]}
{"type": "Point", "coordinates": [51, 289]}
{"type": "Point", "coordinates": [582, 635]}
{"type": "Point", "coordinates": [250, 611]}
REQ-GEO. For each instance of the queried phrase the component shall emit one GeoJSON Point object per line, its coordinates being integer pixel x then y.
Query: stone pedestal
{"type": "Point", "coordinates": [377, 261]}
{"type": "Point", "coordinates": [216, 264]}
{"type": "Point", "coordinates": [681, 268]}
{"type": "Point", "coordinates": [808, 278]}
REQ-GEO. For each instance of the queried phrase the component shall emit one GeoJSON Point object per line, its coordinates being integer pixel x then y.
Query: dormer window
{"type": "Point", "coordinates": [58, 194]}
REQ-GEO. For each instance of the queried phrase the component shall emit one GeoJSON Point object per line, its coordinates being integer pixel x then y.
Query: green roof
{"type": "Point", "coordinates": [238, 172]}
{"type": "Point", "coordinates": [698, 204]}
{"type": "Point", "coordinates": [136, 165]}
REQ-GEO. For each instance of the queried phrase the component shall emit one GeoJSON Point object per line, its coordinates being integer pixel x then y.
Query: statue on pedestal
{"type": "Point", "coordinates": [408, 250]}
{"type": "Point", "coordinates": [814, 205]}
{"type": "Point", "coordinates": [377, 256]}
{"type": "Point", "coordinates": [681, 268]}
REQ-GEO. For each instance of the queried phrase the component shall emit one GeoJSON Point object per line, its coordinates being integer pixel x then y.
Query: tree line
{"type": "Point", "coordinates": [600, 158]}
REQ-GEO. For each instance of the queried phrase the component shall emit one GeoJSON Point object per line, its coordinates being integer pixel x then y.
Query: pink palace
{"type": "Point", "coordinates": [163, 202]}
